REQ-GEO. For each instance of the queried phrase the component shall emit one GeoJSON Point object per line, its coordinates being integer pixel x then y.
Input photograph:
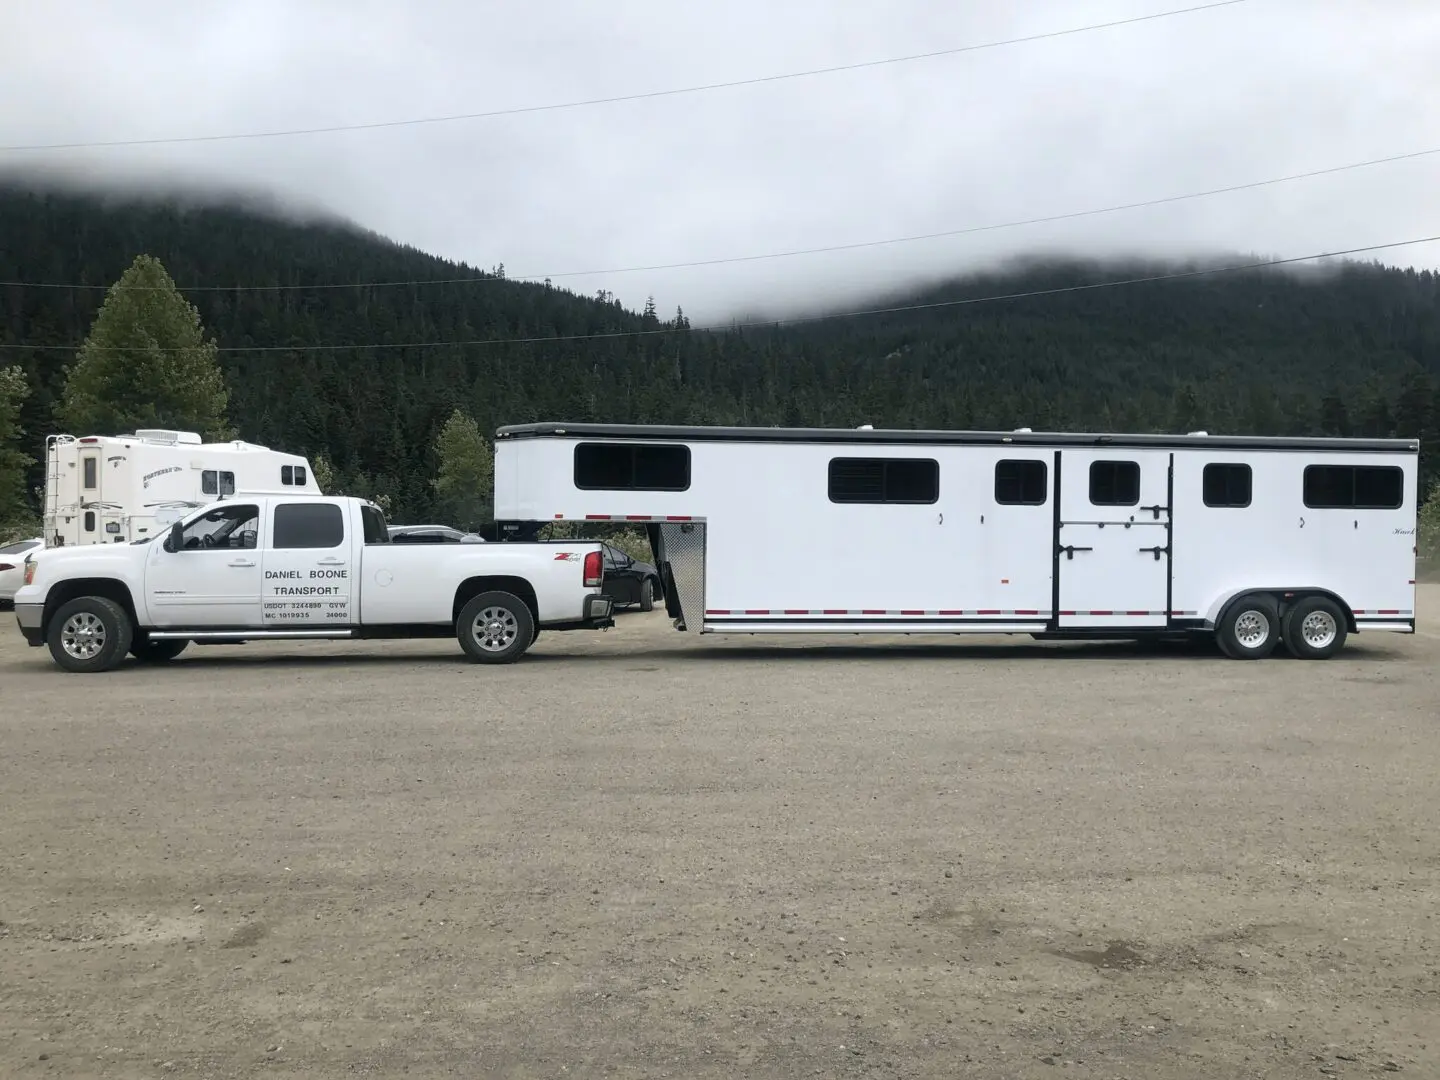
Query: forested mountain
{"type": "Point", "coordinates": [1351, 350]}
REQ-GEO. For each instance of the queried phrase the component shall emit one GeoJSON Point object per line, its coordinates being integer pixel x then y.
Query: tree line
{"type": "Point", "coordinates": [1350, 350]}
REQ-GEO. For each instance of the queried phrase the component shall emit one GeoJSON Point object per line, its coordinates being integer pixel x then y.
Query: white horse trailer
{"type": "Point", "coordinates": [102, 489]}
{"type": "Point", "coordinates": [770, 530]}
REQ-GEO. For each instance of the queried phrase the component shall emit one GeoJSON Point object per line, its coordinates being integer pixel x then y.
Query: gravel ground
{"type": "Point", "coordinates": [644, 854]}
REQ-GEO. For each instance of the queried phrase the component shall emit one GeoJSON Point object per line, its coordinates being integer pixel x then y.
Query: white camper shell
{"type": "Point", "coordinates": [772, 530]}
{"type": "Point", "coordinates": [102, 489]}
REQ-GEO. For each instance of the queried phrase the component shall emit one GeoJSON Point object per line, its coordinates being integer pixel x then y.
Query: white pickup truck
{"type": "Point", "coordinates": [301, 566]}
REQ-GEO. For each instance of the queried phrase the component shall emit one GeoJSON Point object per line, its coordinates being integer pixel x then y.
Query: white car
{"type": "Point", "coordinates": [12, 567]}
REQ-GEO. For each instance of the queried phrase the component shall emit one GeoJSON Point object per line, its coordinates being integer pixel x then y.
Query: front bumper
{"type": "Point", "coordinates": [30, 617]}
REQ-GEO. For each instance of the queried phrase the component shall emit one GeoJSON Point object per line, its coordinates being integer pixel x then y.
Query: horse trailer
{"type": "Point", "coordinates": [1258, 541]}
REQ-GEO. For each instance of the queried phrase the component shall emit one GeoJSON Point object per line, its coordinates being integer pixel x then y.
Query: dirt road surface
{"type": "Point", "coordinates": [644, 854]}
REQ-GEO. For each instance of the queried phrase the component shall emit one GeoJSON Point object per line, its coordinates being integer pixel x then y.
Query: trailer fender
{"type": "Point", "coordinates": [1285, 595]}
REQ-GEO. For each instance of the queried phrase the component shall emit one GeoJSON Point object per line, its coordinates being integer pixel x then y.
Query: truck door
{"type": "Point", "coordinates": [213, 578]}
{"type": "Point", "coordinates": [1113, 539]}
{"type": "Point", "coordinates": [308, 573]}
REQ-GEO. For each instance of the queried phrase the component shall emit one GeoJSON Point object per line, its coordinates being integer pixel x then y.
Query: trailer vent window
{"type": "Point", "coordinates": [1354, 487]}
{"type": "Point", "coordinates": [884, 480]}
{"type": "Point", "coordinates": [217, 483]}
{"type": "Point", "coordinates": [1020, 483]}
{"type": "Point", "coordinates": [309, 525]}
{"type": "Point", "coordinates": [631, 467]}
{"type": "Point", "coordinates": [1114, 483]}
{"type": "Point", "coordinates": [1226, 485]}
{"type": "Point", "coordinates": [292, 475]}
{"type": "Point", "coordinates": [90, 465]}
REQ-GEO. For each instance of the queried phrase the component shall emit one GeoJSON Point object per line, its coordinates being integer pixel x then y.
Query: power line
{"type": "Point", "coordinates": [616, 99]}
{"type": "Point", "coordinates": [967, 230]}
{"type": "Point", "coordinates": [800, 320]}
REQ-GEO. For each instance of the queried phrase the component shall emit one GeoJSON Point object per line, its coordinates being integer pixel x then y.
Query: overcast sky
{"type": "Point", "coordinates": [1260, 89]}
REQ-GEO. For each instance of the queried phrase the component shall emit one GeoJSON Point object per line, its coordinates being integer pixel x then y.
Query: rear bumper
{"type": "Point", "coordinates": [597, 614]}
{"type": "Point", "coordinates": [29, 617]}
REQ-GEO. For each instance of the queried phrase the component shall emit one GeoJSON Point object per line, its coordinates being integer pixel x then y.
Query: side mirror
{"type": "Point", "coordinates": [176, 538]}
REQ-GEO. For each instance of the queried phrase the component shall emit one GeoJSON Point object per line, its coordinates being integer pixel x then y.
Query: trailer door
{"type": "Point", "coordinates": [1112, 539]}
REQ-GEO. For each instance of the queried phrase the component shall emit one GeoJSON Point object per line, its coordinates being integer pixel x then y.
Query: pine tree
{"type": "Point", "coordinates": [14, 462]}
{"type": "Point", "coordinates": [465, 485]}
{"type": "Point", "coordinates": [145, 363]}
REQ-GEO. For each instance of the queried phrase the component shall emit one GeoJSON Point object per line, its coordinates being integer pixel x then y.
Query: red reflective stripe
{"type": "Point", "coordinates": [1067, 613]}
{"type": "Point", "coordinates": [912, 613]}
{"type": "Point", "coordinates": [1144, 613]}
{"type": "Point", "coordinates": [868, 611]}
{"type": "Point", "coordinates": [797, 611]}
{"type": "Point", "coordinates": [757, 611]}
{"type": "Point", "coordinates": [1099, 613]}
{"type": "Point", "coordinates": [836, 611]}
{"type": "Point", "coordinates": [678, 517]}
{"type": "Point", "coordinates": [952, 613]}
{"type": "Point", "coordinates": [597, 517]}
{"type": "Point", "coordinates": [1388, 611]}
{"type": "Point", "coordinates": [559, 517]}
{"type": "Point", "coordinates": [1027, 612]}
{"type": "Point", "coordinates": [1359, 611]}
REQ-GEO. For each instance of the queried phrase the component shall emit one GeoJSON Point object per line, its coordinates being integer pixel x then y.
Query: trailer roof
{"type": "Point", "coordinates": [971, 438]}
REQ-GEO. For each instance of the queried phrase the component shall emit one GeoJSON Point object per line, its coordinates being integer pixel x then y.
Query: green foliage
{"type": "Point", "coordinates": [465, 485]}
{"type": "Point", "coordinates": [145, 363]}
{"type": "Point", "coordinates": [324, 473]}
{"type": "Point", "coordinates": [14, 462]}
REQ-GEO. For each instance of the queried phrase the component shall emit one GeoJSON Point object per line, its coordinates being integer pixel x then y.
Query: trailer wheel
{"type": "Point", "coordinates": [495, 628]}
{"type": "Point", "coordinates": [647, 595]}
{"type": "Point", "coordinates": [1314, 628]}
{"type": "Point", "coordinates": [1250, 627]}
{"type": "Point", "coordinates": [88, 634]}
{"type": "Point", "coordinates": [156, 652]}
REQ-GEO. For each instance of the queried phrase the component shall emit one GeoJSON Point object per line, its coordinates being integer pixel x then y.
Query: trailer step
{"type": "Point", "coordinates": [248, 635]}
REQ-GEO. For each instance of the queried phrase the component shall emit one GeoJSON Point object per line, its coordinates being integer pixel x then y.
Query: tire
{"type": "Point", "coordinates": [1314, 628]}
{"type": "Point", "coordinates": [89, 634]}
{"type": "Point", "coordinates": [495, 628]}
{"type": "Point", "coordinates": [647, 595]}
{"type": "Point", "coordinates": [1250, 627]}
{"type": "Point", "coordinates": [157, 652]}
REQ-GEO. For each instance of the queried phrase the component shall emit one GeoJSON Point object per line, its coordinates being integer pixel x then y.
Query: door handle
{"type": "Point", "coordinates": [1158, 551]}
{"type": "Point", "coordinates": [332, 562]}
{"type": "Point", "coordinates": [1070, 550]}
{"type": "Point", "coordinates": [242, 562]}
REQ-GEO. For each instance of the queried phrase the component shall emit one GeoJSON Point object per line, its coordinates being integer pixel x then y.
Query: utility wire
{"type": "Point", "coordinates": [777, 323]}
{"type": "Point", "coordinates": [590, 102]}
{"type": "Point", "coordinates": [858, 245]}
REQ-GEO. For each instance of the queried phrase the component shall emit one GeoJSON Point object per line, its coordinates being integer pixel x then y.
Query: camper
{"type": "Point", "coordinates": [103, 489]}
{"type": "Point", "coordinates": [1256, 541]}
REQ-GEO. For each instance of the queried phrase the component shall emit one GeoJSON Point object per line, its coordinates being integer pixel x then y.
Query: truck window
{"type": "Point", "coordinates": [631, 467]}
{"type": "Point", "coordinates": [1020, 483]}
{"type": "Point", "coordinates": [1114, 483]}
{"type": "Point", "coordinates": [308, 525]}
{"type": "Point", "coordinates": [884, 480]}
{"type": "Point", "coordinates": [1354, 487]}
{"type": "Point", "coordinates": [213, 482]}
{"type": "Point", "coordinates": [227, 527]}
{"type": "Point", "coordinates": [376, 531]}
{"type": "Point", "coordinates": [1226, 485]}
{"type": "Point", "coordinates": [293, 475]}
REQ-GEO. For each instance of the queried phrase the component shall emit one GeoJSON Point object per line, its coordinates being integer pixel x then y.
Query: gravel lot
{"type": "Point", "coordinates": [644, 854]}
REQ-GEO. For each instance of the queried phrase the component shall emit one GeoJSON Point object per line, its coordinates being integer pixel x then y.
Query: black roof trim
{"type": "Point", "coordinates": [859, 436]}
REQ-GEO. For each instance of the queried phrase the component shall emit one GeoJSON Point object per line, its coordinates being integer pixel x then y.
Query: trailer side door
{"type": "Point", "coordinates": [1112, 539]}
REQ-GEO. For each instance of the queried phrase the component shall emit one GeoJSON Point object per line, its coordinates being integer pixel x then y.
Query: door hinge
{"type": "Point", "coordinates": [1156, 510]}
{"type": "Point", "coordinates": [1069, 550]}
{"type": "Point", "coordinates": [1158, 551]}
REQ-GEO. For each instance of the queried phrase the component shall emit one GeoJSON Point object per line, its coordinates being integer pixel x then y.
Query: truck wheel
{"type": "Point", "coordinates": [495, 628]}
{"type": "Point", "coordinates": [157, 652]}
{"type": "Point", "coordinates": [1314, 628]}
{"type": "Point", "coordinates": [89, 634]}
{"type": "Point", "coordinates": [647, 595]}
{"type": "Point", "coordinates": [1250, 627]}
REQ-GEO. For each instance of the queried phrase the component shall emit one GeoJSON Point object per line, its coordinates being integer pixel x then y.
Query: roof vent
{"type": "Point", "coordinates": [163, 435]}
{"type": "Point", "coordinates": [1197, 433]}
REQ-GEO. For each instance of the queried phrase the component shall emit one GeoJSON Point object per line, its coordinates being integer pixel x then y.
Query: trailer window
{"type": "Point", "coordinates": [1020, 483]}
{"type": "Point", "coordinates": [90, 465]}
{"type": "Point", "coordinates": [1354, 487]}
{"type": "Point", "coordinates": [308, 525]}
{"type": "Point", "coordinates": [631, 467]}
{"type": "Point", "coordinates": [1114, 483]}
{"type": "Point", "coordinates": [292, 475]}
{"type": "Point", "coordinates": [217, 483]}
{"type": "Point", "coordinates": [1226, 485]}
{"type": "Point", "coordinates": [884, 480]}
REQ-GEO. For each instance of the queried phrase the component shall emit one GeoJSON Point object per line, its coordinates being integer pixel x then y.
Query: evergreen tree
{"type": "Point", "coordinates": [145, 363]}
{"type": "Point", "coordinates": [465, 484]}
{"type": "Point", "coordinates": [14, 462]}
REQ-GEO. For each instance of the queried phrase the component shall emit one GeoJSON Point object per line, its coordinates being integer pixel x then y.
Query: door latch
{"type": "Point", "coordinates": [1069, 550]}
{"type": "Point", "coordinates": [1155, 510]}
{"type": "Point", "coordinates": [1158, 551]}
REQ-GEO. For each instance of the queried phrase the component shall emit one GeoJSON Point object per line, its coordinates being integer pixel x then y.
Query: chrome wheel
{"type": "Point", "coordinates": [1252, 629]}
{"type": "Point", "coordinates": [83, 635]}
{"type": "Point", "coordinates": [1319, 629]}
{"type": "Point", "coordinates": [495, 629]}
